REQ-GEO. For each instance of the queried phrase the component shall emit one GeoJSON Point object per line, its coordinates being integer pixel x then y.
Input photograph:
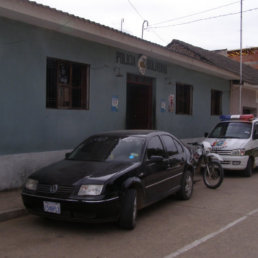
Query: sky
{"type": "Point", "coordinates": [207, 24]}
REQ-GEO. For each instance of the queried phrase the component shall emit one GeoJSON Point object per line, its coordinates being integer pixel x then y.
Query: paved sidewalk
{"type": "Point", "coordinates": [11, 205]}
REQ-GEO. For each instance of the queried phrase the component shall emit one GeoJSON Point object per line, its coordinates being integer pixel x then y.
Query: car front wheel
{"type": "Point", "coordinates": [128, 209]}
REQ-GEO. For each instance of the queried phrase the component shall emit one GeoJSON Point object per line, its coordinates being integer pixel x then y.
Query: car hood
{"type": "Point", "coordinates": [227, 144]}
{"type": "Point", "coordinates": [69, 172]}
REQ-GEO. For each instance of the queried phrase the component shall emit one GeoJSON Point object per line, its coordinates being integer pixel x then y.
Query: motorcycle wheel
{"type": "Point", "coordinates": [213, 175]}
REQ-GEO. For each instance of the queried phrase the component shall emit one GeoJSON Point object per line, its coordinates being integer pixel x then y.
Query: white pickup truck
{"type": "Point", "coordinates": [235, 138]}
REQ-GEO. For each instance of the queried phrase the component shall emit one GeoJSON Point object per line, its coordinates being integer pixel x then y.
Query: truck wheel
{"type": "Point", "coordinates": [249, 168]}
{"type": "Point", "coordinates": [128, 209]}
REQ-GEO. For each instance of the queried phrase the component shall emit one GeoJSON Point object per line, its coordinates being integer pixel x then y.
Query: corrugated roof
{"type": "Point", "coordinates": [250, 75]}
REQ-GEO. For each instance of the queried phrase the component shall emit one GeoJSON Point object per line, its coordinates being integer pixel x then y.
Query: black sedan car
{"type": "Point", "coordinates": [109, 176]}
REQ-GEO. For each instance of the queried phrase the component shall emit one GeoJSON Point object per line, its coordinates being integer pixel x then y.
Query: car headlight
{"type": "Point", "coordinates": [238, 152]}
{"type": "Point", "coordinates": [31, 184]}
{"type": "Point", "coordinates": [90, 190]}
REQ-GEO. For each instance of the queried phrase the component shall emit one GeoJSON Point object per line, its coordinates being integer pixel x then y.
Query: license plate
{"type": "Point", "coordinates": [52, 207]}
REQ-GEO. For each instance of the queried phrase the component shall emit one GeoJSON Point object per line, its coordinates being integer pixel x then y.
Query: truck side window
{"type": "Point", "coordinates": [255, 135]}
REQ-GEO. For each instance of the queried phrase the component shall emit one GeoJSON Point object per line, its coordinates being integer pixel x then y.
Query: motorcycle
{"type": "Point", "coordinates": [208, 164]}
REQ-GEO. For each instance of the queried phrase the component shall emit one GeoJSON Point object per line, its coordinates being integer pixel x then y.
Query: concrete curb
{"type": "Point", "coordinates": [11, 214]}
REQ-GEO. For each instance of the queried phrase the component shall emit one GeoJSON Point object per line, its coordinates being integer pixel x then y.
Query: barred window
{"type": "Point", "coordinates": [184, 95]}
{"type": "Point", "coordinates": [67, 84]}
{"type": "Point", "coordinates": [216, 102]}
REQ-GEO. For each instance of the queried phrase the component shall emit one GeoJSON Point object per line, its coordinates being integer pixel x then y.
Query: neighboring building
{"type": "Point", "coordinates": [249, 91]}
{"type": "Point", "coordinates": [64, 78]}
{"type": "Point", "coordinates": [249, 56]}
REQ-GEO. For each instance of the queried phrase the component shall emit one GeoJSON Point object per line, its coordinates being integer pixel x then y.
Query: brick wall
{"type": "Point", "coordinates": [249, 56]}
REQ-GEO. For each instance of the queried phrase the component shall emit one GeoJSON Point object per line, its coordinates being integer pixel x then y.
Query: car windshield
{"type": "Point", "coordinates": [232, 130]}
{"type": "Point", "coordinates": [109, 148]}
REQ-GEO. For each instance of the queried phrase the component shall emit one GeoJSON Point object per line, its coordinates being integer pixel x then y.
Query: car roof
{"type": "Point", "coordinates": [142, 133]}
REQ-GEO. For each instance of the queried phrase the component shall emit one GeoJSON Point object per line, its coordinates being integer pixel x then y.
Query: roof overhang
{"type": "Point", "coordinates": [247, 86]}
{"type": "Point", "coordinates": [49, 18]}
{"type": "Point", "coordinates": [250, 86]}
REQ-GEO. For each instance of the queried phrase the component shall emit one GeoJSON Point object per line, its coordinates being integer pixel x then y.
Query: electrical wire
{"type": "Point", "coordinates": [203, 19]}
{"type": "Point", "coordinates": [194, 14]}
{"type": "Point", "coordinates": [158, 36]}
{"type": "Point", "coordinates": [135, 10]}
{"type": "Point", "coordinates": [138, 13]}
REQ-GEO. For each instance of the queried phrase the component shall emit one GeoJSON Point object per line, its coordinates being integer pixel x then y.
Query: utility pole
{"type": "Point", "coordinates": [241, 58]}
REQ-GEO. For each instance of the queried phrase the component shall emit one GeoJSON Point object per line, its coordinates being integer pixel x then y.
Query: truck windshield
{"type": "Point", "coordinates": [109, 148]}
{"type": "Point", "coordinates": [237, 130]}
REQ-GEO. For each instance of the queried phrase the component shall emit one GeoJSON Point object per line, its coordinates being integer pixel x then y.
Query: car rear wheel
{"type": "Point", "coordinates": [249, 168]}
{"type": "Point", "coordinates": [128, 209]}
{"type": "Point", "coordinates": [186, 190]}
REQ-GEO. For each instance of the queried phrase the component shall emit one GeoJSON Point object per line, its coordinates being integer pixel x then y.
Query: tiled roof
{"type": "Point", "coordinates": [250, 75]}
{"type": "Point", "coordinates": [245, 51]}
{"type": "Point", "coordinates": [35, 4]}
{"type": "Point", "coordinates": [177, 47]}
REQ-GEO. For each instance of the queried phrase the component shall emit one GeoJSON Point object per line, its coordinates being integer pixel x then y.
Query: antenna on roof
{"type": "Point", "coordinates": [143, 26]}
{"type": "Point", "coordinates": [122, 21]}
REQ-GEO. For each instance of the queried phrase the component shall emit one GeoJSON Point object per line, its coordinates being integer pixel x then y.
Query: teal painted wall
{"type": "Point", "coordinates": [26, 124]}
{"type": "Point", "coordinates": [201, 121]}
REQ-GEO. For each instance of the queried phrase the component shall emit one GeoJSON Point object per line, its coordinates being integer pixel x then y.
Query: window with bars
{"type": "Point", "coordinates": [216, 102]}
{"type": "Point", "coordinates": [67, 84]}
{"type": "Point", "coordinates": [184, 95]}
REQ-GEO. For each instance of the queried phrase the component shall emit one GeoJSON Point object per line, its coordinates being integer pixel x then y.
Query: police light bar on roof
{"type": "Point", "coordinates": [236, 117]}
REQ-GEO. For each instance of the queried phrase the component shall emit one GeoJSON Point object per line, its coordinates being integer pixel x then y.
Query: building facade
{"type": "Point", "coordinates": [243, 96]}
{"type": "Point", "coordinates": [64, 78]}
{"type": "Point", "coordinates": [249, 93]}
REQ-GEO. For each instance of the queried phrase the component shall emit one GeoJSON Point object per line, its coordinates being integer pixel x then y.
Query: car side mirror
{"type": "Point", "coordinates": [155, 158]}
{"type": "Point", "coordinates": [67, 155]}
{"type": "Point", "coordinates": [206, 135]}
